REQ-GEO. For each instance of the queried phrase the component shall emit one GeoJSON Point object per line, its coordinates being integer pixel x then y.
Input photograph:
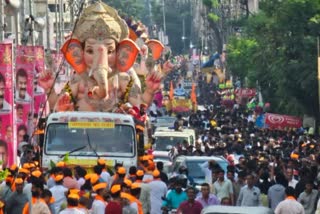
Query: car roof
{"type": "Point", "coordinates": [167, 129]}
{"type": "Point", "coordinates": [236, 210]}
{"type": "Point", "coordinates": [200, 158]}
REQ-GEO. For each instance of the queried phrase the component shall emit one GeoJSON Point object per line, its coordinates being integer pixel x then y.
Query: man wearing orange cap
{"type": "Point", "coordinates": [99, 204]}
{"type": "Point", "coordinates": [114, 206]}
{"type": "Point", "coordinates": [37, 204]}
{"type": "Point", "coordinates": [73, 202]}
{"type": "Point", "coordinates": [18, 199]}
{"type": "Point", "coordinates": [128, 200]}
{"type": "Point", "coordinates": [35, 175]}
{"type": "Point", "coordinates": [105, 175]}
{"type": "Point", "coordinates": [135, 192]}
{"type": "Point", "coordinates": [6, 188]}
{"type": "Point", "coordinates": [120, 175]}
{"type": "Point", "coordinates": [58, 193]}
{"type": "Point", "coordinates": [158, 190]}
{"type": "Point", "coordinates": [144, 196]}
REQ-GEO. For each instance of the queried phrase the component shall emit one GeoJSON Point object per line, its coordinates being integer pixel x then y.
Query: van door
{"type": "Point", "coordinates": [191, 140]}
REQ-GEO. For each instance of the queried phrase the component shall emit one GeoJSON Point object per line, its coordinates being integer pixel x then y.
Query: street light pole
{"type": "Point", "coordinates": [1, 21]}
{"type": "Point", "coordinates": [318, 56]}
{"type": "Point", "coordinates": [56, 26]}
{"type": "Point", "coordinates": [48, 27]}
{"type": "Point", "coordinates": [164, 19]}
{"type": "Point", "coordinates": [32, 21]}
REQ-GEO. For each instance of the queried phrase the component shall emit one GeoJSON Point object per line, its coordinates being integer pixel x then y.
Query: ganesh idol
{"type": "Point", "coordinates": [102, 56]}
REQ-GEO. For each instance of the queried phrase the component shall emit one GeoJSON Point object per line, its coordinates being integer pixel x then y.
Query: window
{"type": "Point", "coordinates": [118, 141]}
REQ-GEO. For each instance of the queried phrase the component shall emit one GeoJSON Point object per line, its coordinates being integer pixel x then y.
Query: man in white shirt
{"type": "Point", "coordinates": [104, 174]}
{"type": "Point", "coordinates": [73, 202]}
{"type": "Point", "coordinates": [99, 204]}
{"type": "Point", "coordinates": [21, 86]}
{"type": "Point", "coordinates": [58, 193]}
{"type": "Point", "coordinates": [249, 195]}
{"type": "Point", "coordinates": [158, 190]}
{"type": "Point", "coordinates": [223, 187]}
{"type": "Point", "coordinates": [289, 205]}
{"type": "Point", "coordinates": [291, 181]}
{"type": "Point", "coordinates": [5, 107]}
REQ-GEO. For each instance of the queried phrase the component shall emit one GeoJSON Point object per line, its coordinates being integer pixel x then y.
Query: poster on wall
{"type": "Point", "coordinates": [24, 89]}
{"type": "Point", "coordinates": [7, 146]}
{"type": "Point", "coordinates": [38, 91]}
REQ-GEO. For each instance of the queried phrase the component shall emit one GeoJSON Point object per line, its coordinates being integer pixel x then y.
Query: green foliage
{"type": "Point", "coordinates": [175, 13]}
{"type": "Point", "coordinates": [66, 158]}
{"type": "Point", "coordinates": [240, 50]}
{"type": "Point", "coordinates": [211, 3]}
{"type": "Point", "coordinates": [278, 49]}
{"type": "Point", "coordinates": [4, 174]}
{"type": "Point", "coordinates": [213, 17]}
{"type": "Point", "coordinates": [130, 8]}
{"type": "Point", "coordinates": [52, 164]}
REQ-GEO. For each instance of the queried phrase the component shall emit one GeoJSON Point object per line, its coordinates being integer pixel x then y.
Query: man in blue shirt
{"type": "Point", "coordinates": [174, 197]}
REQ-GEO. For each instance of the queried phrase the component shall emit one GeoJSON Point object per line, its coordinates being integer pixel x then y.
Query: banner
{"type": "Point", "coordinates": [57, 60]}
{"type": "Point", "coordinates": [24, 89]}
{"type": "Point", "coordinates": [278, 121]}
{"type": "Point", "coordinates": [245, 92]}
{"type": "Point", "coordinates": [39, 94]}
{"type": "Point", "coordinates": [181, 105]}
{"type": "Point", "coordinates": [7, 146]}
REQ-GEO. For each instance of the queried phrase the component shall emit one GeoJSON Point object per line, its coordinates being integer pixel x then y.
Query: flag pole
{"type": "Point", "coordinates": [318, 56]}
{"type": "Point", "coordinates": [1, 21]}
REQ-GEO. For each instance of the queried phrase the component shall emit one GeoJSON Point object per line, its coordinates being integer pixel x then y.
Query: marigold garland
{"type": "Point", "coordinates": [125, 96]}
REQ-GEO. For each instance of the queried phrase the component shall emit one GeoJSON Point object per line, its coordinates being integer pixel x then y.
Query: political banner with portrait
{"type": "Point", "coordinates": [38, 91]}
{"type": "Point", "coordinates": [7, 146]}
{"type": "Point", "coordinates": [24, 96]}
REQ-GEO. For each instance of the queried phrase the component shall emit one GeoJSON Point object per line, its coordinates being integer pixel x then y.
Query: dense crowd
{"type": "Point", "coordinates": [278, 169]}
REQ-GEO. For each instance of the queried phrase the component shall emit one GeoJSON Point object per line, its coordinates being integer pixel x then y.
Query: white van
{"type": "Point", "coordinates": [87, 136]}
{"type": "Point", "coordinates": [164, 138]}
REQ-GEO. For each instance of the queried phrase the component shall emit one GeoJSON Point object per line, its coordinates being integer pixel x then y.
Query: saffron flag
{"type": "Point", "coordinates": [193, 94]}
{"type": "Point", "coordinates": [171, 91]}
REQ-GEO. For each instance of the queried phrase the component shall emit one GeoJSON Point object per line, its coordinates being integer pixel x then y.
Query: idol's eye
{"type": "Point", "coordinates": [111, 51]}
{"type": "Point", "coordinates": [89, 51]}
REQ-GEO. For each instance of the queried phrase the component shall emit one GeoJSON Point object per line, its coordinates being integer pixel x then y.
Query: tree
{"type": "Point", "coordinates": [277, 48]}
{"type": "Point", "coordinates": [175, 13]}
{"type": "Point", "coordinates": [128, 8]}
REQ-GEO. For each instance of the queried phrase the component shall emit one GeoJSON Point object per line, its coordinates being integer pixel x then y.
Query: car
{"type": "Point", "coordinates": [166, 138]}
{"type": "Point", "coordinates": [164, 121]}
{"type": "Point", "coordinates": [165, 158]}
{"type": "Point", "coordinates": [236, 210]}
{"type": "Point", "coordinates": [193, 165]}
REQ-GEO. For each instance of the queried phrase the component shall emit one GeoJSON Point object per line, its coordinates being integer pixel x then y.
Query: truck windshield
{"type": "Point", "coordinates": [162, 143]}
{"type": "Point", "coordinates": [118, 141]}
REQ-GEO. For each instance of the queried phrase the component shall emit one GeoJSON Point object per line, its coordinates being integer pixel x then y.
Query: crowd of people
{"type": "Point", "coordinates": [279, 169]}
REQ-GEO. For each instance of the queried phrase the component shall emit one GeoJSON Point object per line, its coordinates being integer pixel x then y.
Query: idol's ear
{"type": "Point", "coordinates": [156, 48]}
{"type": "Point", "coordinates": [73, 53]}
{"type": "Point", "coordinates": [127, 52]}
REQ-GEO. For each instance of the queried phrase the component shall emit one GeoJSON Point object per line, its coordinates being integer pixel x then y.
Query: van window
{"type": "Point", "coordinates": [191, 140]}
{"type": "Point", "coordinates": [117, 141]}
{"type": "Point", "coordinates": [162, 142]}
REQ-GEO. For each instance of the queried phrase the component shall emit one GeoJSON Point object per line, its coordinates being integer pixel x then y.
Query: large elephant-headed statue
{"type": "Point", "coordinates": [102, 56]}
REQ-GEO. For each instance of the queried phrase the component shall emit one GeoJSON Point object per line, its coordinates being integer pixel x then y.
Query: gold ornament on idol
{"type": "Point", "coordinates": [100, 21]}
